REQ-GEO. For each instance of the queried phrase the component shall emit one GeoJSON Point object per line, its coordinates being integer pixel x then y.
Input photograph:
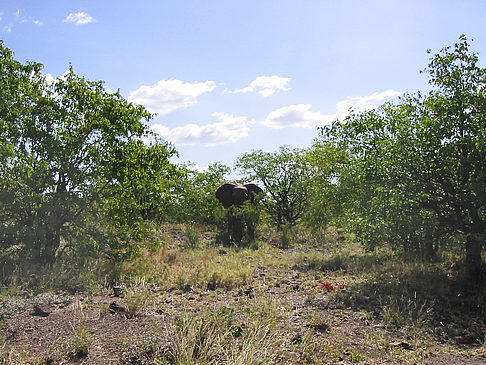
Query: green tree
{"type": "Point", "coordinates": [284, 175]}
{"type": "Point", "coordinates": [194, 200]}
{"type": "Point", "coordinates": [325, 195]}
{"type": "Point", "coordinates": [73, 168]}
{"type": "Point", "coordinates": [418, 168]}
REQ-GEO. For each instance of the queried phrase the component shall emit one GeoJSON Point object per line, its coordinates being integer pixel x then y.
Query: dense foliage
{"type": "Point", "coordinates": [417, 173]}
{"type": "Point", "coordinates": [74, 172]}
{"type": "Point", "coordinates": [284, 176]}
{"type": "Point", "coordinates": [325, 195]}
{"type": "Point", "coordinates": [193, 196]}
{"type": "Point", "coordinates": [80, 171]}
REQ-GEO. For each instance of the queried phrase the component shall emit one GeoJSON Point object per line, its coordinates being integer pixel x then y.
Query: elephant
{"type": "Point", "coordinates": [235, 194]}
{"type": "Point", "coordinates": [232, 196]}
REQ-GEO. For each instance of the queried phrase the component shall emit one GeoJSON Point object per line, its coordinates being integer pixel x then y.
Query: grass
{"type": "Point", "coordinates": [192, 237]}
{"type": "Point", "coordinates": [82, 340]}
{"type": "Point", "coordinates": [137, 302]}
{"type": "Point", "coordinates": [198, 339]}
{"type": "Point", "coordinates": [198, 267]}
{"type": "Point", "coordinates": [331, 302]}
{"type": "Point", "coordinates": [228, 336]}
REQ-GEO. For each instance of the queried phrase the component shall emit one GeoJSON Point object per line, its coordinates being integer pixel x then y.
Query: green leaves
{"type": "Point", "coordinates": [417, 166]}
{"type": "Point", "coordinates": [74, 168]}
{"type": "Point", "coordinates": [284, 175]}
{"type": "Point", "coordinates": [194, 195]}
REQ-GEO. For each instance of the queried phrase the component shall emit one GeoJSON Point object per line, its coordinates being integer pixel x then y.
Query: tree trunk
{"type": "Point", "coordinates": [429, 248]}
{"type": "Point", "coordinates": [52, 243]}
{"type": "Point", "coordinates": [474, 246]}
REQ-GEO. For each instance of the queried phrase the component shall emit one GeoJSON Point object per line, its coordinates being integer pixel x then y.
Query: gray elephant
{"type": "Point", "coordinates": [232, 196]}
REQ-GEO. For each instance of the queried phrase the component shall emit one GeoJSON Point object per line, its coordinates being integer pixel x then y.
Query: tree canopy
{"type": "Point", "coordinates": [73, 164]}
{"type": "Point", "coordinates": [81, 171]}
{"type": "Point", "coordinates": [284, 175]}
{"type": "Point", "coordinates": [418, 167]}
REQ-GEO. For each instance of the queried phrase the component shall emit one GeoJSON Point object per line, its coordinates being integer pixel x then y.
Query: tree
{"type": "Point", "coordinates": [284, 175]}
{"type": "Point", "coordinates": [73, 164]}
{"type": "Point", "coordinates": [194, 200]}
{"type": "Point", "coordinates": [325, 195]}
{"type": "Point", "coordinates": [418, 168]}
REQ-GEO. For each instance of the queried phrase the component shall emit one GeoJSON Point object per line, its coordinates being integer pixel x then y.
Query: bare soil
{"type": "Point", "coordinates": [51, 328]}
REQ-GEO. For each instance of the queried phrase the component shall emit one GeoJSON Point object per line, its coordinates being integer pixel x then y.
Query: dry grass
{"type": "Point", "coordinates": [313, 303]}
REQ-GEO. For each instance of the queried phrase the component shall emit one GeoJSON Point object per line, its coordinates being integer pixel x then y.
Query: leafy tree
{"type": "Point", "coordinates": [418, 168]}
{"type": "Point", "coordinates": [284, 175]}
{"type": "Point", "coordinates": [73, 168]}
{"type": "Point", "coordinates": [325, 195]}
{"type": "Point", "coordinates": [194, 199]}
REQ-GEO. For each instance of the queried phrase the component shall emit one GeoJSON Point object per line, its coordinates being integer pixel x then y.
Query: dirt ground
{"type": "Point", "coordinates": [47, 329]}
{"type": "Point", "coordinates": [306, 322]}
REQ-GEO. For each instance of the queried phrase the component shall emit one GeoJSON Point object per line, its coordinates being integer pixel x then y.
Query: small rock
{"type": "Point", "coordinates": [118, 291]}
{"type": "Point", "coordinates": [237, 331]}
{"type": "Point", "coordinates": [297, 338]}
{"type": "Point", "coordinates": [402, 344]}
{"type": "Point", "coordinates": [41, 310]}
{"type": "Point", "coordinates": [187, 289]}
{"type": "Point", "coordinates": [249, 293]}
{"type": "Point", "coordinates": [116, 308]}
{"type": "Point", "coordinates": [320, 327]}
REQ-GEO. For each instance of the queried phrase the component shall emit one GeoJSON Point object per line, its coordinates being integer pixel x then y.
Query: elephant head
{"type": "Point", "coordinates": [235, 194]}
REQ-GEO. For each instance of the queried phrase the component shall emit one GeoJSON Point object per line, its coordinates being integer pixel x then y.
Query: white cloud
{"type": "Point", "coordinates": [168, 95]}
{"type": "Point", "coordinates": [49, 78]}
{"type": "Point", "coordinates": [228, 129]}
{"type": "Point", "coordinates": [301, 115]}
{"type": "Point", "coordinates": [80, 18]}
{"type": "Point", "coordinates": [265, 85]}
{"type": "Point", "coordinates": [362, 103]}
{"type": "Point", "coordinates": [298, 115]}
{"type": "Point", "coordinates": [196, 167]}
{"type": "Point", "coordinates": [18, 18]}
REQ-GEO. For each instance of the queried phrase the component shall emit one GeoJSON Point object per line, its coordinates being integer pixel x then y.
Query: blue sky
{"type": "Point", "coordinates": [227, 77]}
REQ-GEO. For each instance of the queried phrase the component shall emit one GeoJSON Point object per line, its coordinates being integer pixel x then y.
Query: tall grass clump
{"type": "Point", "coordinates": [407, 312]}
{"type": "Point", "coordinates": [285, 237]}
{"type": "Point", "coordinates": [199, 268]}
{"type": "Point", "coordinates": [192, 239]}
{"type": "Point", "coordinates": [82, 337]}
{"type": "Point", "coordinates": [199, 339]}
{"type": "Point", "coordinates": [247, 336]}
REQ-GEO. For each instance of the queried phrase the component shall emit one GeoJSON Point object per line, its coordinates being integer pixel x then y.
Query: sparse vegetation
{"type": "Point", "coordinates": [227, 305]}
{"type": "Point", "coordinates": [82, 337]}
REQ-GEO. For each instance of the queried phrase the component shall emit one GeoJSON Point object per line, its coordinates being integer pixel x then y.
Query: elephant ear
{"type": "Point", "coordinates": [224, 194]}
{"type": "Point", "coordinates": [253, 189]}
